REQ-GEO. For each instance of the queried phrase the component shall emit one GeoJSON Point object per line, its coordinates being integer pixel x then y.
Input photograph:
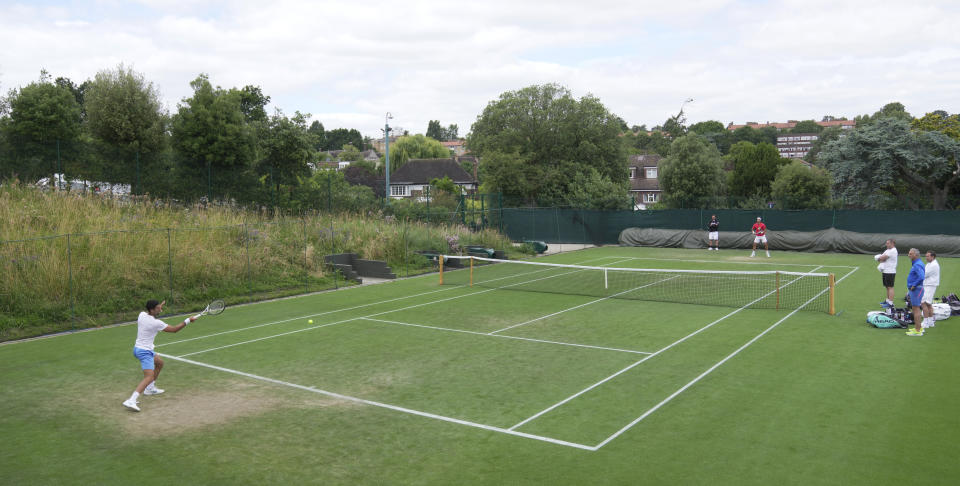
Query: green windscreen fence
{"type": "Point", "coordinates": [562, 225]}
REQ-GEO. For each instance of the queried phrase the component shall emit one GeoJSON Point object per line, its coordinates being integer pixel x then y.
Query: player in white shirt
{"type": "Point", "coordinates": [148, 326]}
{"type": "Point", "coordinates": [931, 280]}
{"type": "Point", "coordinates": [888, 267]}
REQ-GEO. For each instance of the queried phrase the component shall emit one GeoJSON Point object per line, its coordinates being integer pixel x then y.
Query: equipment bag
{"type": "Point", "coordinates": [881, 320]}
{"type": "Point", "coordinates": [941, 311]}
{"type": "Point", "coordinates": [954, 302]}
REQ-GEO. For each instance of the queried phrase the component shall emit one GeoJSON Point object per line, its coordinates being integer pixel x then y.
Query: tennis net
{"type": "Point", "coordinates": [754, 289]}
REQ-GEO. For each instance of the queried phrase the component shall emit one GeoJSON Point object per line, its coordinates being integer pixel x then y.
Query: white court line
{"type": "Point", "coordinates": [377, 314]}
{"type": "Point", "coordinates": [505, 336]}
{"type": "Point", "coordinates": [385, 405]}
{"type": "Point", "coordinates": [705, 373]}
{"type": "Point", "coordinates": [624, 370]}
{"type": "Point", "coordinates": [343, 309]}
{"type": "Point", "coordinates": [738, 262]}
{"type": "Point", "coordinates": [581, 305]}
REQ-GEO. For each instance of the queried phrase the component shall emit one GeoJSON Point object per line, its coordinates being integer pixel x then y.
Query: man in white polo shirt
{"type": "Point", "coordinates": [888, 267]}
{"type": "Point", "coordinates": [931, 280]}
{"type": "Point", "coordinates": [148, 326]}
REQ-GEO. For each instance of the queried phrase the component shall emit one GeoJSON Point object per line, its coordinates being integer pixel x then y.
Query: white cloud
{"type": "Point", "coordinates": [348, 63]}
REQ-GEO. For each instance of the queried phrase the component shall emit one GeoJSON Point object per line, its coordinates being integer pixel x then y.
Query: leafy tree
{"type": "Point", "coordinates": [887, 159]}
{"type": "Point", "coordinates": [124, 110]}
{"type": "Point", "coordinates": [350, 153]}
{"type": "Point", "coordinates": [939, 121]}
{"type": "Point", "coordinates": [329, 189]}
{"type": "Point", "coordinates": [77, 90]}
{"type": "Point", "coordinates": [754, 168]}
{"type": "Point", "coordinates": [674, 127]}
{"type": "Point", "coordinates": [319, 135]}
{"type": "Point", "coordinates": [253, 103]}
{"type": "Point", "coordinates": [692, 172]}
{"type": "Point", "coordinates": [215, 143]}
{"type": "Point", "coordinates": [826, 136]}
{"type": "Point", "coordinates": [512, 175]}
{"type": "Point", "coordinates": [286, 149]}
{"type": "Point", "coordinates": [339, 137]}
{"type": "Point", "coordinates": [890, 110]}
{"type": "Point", "coordinates": [434, 130]}
{"type": "Point", "coordinates": [592, 190]}
{"type": "Point", "coordinates": [832, 118]}
{"type": "Point", "coordinates": [446, 185]}
{"type": "Point", "coordinates": [806, 126]}
{"type": "Point", "coordinates": [450, 133]}
{"type": "Point", "coordinates": [707, 127]}
{"type": "Point", "coordinates": [364, 174]}
{"type": "Point", "coordinates": [798, 186]}
{"type": "Point", "coordinates": [553, 135]}
{"type": "Point", "coordinates": [415, 147]}
{"type": "Point", "coordinates": [652, 142]}
{"type": "Point", "coordinates": [41, 115]}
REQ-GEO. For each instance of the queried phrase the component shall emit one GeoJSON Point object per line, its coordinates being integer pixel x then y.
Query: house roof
{"type": "Point", "coordinates": [644, 160]}
{"type": "Point", "coordinates": [791, 124]}
{"type": "Point", "coordinates": [422, 171]}
{"type": "Point", "coordinates": [641, 183]}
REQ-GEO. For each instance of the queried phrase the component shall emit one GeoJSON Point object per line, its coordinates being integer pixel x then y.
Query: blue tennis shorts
{"type": "Point", "coordinates": [916, 295]}
{"type": "Point", "coordinates": [146, 356]}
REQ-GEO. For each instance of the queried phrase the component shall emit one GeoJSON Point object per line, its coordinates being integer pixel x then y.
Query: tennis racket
{"type": "Point", "coordinates": [213, 309]}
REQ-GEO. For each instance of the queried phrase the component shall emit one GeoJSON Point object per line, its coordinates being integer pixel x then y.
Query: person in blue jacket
{"type": "Point", "coordinates": [915, 290]}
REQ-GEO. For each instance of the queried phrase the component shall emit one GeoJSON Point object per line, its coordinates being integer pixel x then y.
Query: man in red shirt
{"type": "Point", "coordinates": [759, 235]}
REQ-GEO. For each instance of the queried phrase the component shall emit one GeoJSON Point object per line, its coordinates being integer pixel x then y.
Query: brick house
{"type": "Point", "coordinates": [410, 180]}
{"type": "Point", "coordinates": [644, 180]}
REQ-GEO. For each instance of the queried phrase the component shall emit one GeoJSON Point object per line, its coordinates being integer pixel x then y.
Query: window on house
{"type": "Point", "coordinates": [651, 172]}
{"type": "Point", "coordinates": [398, 190]}
{"type": "Point", "coordinates": [650, 197]}
{"type": "Point", "coordinates": [633, 172]}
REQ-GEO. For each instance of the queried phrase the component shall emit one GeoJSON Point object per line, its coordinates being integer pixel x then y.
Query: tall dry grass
{"type": "Point", "coordinates": [70, 260]}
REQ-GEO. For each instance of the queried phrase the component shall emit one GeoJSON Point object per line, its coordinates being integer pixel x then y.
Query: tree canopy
{"type": "Point", "coordinates": [415, 147]}
{"type": "Point", "coordinates": [553, 135]}
{"type": "Point", "coordinates": [124, 110]}
{"type": "Point", "coordinates": [887, 159]}
{"type": "Point", "coordinates": [798, 186]}
{"type": "Point", "coordinates": [691, 173]}
{"type": "Point", "coordinates": [754, 168]}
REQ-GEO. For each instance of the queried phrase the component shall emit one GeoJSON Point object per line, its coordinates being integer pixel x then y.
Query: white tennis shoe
{"type": "Point", "coordinates": [152, 391]}
{"type": "Point", "coordinates": [131, 404]}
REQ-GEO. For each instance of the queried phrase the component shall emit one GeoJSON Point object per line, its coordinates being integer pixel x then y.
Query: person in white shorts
{"type": "Point", "coordinates": [714, 233]}
{"type": "Point", "coordinates": [759, 236]}
{"type": "Point", "coordinates": [148, 326]}
{"type": "Point", "coordinates": [931, 280]}
{"type": "Point", "coordinates": [888, 270]}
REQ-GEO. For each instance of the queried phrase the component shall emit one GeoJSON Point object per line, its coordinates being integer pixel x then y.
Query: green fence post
{"type": "Point", "coordinates": [246, 250]}
{"type": "Point", "coordinates": [170, 262]}
{"type": "Point", "coordinates": [306, 265]}
{"type": "Point", "coordinates": [70, 284]}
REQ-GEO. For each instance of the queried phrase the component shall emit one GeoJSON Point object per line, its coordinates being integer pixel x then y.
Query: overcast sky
{"type": "Point", "coordinates": [349, 62]}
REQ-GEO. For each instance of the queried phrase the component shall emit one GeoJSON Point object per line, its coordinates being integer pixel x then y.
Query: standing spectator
{"type": "Point", "coordinates": [759, 236]}
{"type": "Point", "coordinates": [714, 233]}
{"type": "Point", "coordinates": [931, 279]}
{"type": "Point", "coordinates": [915, 290]}
{"type": "Point", "coordinates": [888, 267]}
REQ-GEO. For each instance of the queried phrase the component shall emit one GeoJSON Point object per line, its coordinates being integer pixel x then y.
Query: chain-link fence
{"type": "Point", "coordinates": [564, 225]}
{"type": "Point", "coordinates": [76, 281]}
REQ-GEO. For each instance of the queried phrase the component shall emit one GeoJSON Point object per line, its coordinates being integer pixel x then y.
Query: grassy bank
{"type": "Point", "coordinates": [71, 261]}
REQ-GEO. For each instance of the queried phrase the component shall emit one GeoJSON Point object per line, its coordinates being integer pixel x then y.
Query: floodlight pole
{"type": "Point", "coordinates": [386, 141]}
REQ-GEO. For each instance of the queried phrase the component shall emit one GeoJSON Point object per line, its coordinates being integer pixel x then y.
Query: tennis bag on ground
{"type": "Point", "coordinates": [881, 320]}
{"type": "Point", "coordinates": [941, 311]}
{"type": "Point", "coordinates": [954, 302]}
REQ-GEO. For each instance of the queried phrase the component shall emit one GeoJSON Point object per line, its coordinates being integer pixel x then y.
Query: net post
{"type": "Point", "coordinates": [440, 261]}
{"type": "Point", "coordinates": [471, 271]}
{"type": "Point", "coordinates": [606, 285]}
{"type": "Point", "coordinates": [831, 278]}
{"type": "Point", "coordinates": [778, 290]}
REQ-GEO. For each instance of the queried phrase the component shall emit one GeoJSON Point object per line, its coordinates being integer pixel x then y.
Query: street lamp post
{"type": "Point", "coordinates": [386, 141]}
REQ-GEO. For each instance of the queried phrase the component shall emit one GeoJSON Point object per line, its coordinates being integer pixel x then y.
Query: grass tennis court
{"type": "Point", "coordinates": [412, 382]}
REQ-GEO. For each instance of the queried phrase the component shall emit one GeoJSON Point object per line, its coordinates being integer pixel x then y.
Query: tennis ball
{"type": "Point", "coordinates": [310, 321]}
